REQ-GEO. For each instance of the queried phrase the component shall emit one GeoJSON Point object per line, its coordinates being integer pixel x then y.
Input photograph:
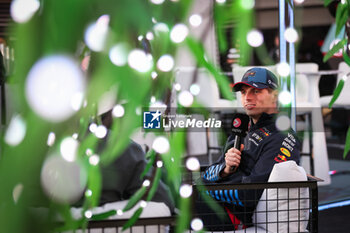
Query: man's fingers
{"type": "Point", "coordinates": [235, 154]}
{"type": "Point", "coordinates": [232, 159]}
{"type": "Point", "coordinates": [232, 150]}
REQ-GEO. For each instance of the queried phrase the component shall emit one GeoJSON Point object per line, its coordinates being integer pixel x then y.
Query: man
{"type": "Point", "coordinates": [121, 178]}
{"type": "Point", "coordinates": [263, 147]}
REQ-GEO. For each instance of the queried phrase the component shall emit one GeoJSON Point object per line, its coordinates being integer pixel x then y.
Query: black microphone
{"type": "Point", "coordinates": [239, 130]}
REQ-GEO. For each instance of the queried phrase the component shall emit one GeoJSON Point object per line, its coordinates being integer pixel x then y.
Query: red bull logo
{"type": "Point", "coordinates": [251, 73]}
{"type": "Point", "coordinates": [266, 134]}
{"type": "Point", "coordinates": [280, 158]}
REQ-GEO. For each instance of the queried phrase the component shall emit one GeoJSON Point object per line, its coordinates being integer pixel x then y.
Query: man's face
{"type": "Point", "coordinates": [256, 101]}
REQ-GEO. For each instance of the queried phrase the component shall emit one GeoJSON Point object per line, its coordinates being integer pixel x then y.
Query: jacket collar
{"type": "Point", "coordinates": [265, 119]}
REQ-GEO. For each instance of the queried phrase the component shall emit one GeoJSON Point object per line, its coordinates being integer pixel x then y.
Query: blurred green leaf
{"type": "Point", "coordinates": [337, 92]}
{"type": "Point", "coordinates": [221, 80]}
{"type": "Point", "coordinates": [198, 51]}
{"type": "Point", "coordinates": [173, 160]}
{"type": "Point", "coordinates": [341, 16]}
{"type": "Point", "coordinates": [84, 125]}
{"type": "Point", "coordinates": [94, 184]}
{"type": "Point", "coordinates": [133, 219]}
{"type": "Point", "coordinates": [242, 28]}
{"type": "Point", "coordinates": [90, 142]}
{"type": "Point", "coordinates": [346, 57]}
{"type": "Point", "coordinates": [135, 198]}
{"type": "Point", "coordinates": [263, 55]}
{"type": "Point", "coordinates": [150, 163]}
{"type": "Point", "coordinates": [55, 24]}
{"type": "Point", "coordinates": [69, 223]}
{"type": "Point", "coordinates": [104, 215]}
{"type": "Point", "coordinates": [155, 184]}
{"type": "Point", "coordinates": [120, 135]}
{"type": "Point", "coordinates": [335, 48]}
{"type": "Point", "coordinates": [327, 2]}
{"type": "Point", "coordinates": [347, 144]}
{"type": "Point", "coordinates": [220, 21]}
{"type": "Point", "coordinates": [183, 218]}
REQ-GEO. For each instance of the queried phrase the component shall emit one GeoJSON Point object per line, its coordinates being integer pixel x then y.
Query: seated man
{"type": "Point", "coordinates": [263, 146]}
{"type": "Point", "coordinates": [121, 178]}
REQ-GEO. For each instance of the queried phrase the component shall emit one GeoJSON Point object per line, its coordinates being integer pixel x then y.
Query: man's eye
{"type": "Point", "coordinates": [257, 91]}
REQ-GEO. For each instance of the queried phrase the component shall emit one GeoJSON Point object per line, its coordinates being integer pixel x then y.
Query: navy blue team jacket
{"type": "Point", "coordinates": [264, 146]}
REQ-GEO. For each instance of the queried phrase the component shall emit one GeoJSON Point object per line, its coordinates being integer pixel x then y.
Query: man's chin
{"type": "Point", "coordinates": [253, 114]}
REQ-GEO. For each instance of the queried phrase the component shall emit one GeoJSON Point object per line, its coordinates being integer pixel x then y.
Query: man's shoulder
{"type": "Point", "coordinates": [285, 139]}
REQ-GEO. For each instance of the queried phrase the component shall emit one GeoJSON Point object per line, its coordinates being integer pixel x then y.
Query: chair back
{"type": "Point", "coordinates": [303, 90]}
{"type": "Point", "coordinates": [344, 97]}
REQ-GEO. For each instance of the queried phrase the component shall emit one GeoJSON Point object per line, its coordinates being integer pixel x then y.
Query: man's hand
{"type": "Point", "coordinates": [232, 159]}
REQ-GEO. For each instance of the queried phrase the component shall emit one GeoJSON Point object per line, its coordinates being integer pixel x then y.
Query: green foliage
{"type": "Point", "coordinates": [183, 219]}
{"type": "Point", "coordinates": [264, 56]}
{"type": "Point", "coordinates": [336, 93]}
{"type": "Point", "coordinates": [133, 218]}
{"type": "Point", "coordinates": [173, 161]}
{"type": "Point", "coordinates": [94, 184]}
{"type": "Point", "coordinates": [335, 48]}
{"type": "Point", "coordinates": [58, 28]}
{"type": "Point", "coordinates": [152, 157]}
{"type": "Point", "coordinates": [341, 16]}
{"type": "Point", "coordinates": [327, 2]}
{"type": "Point", "coordinates": [347, 144]}
{"type": "Point", "coordinates": [135, 198]}
{"type": "Point", "coordinates": [198, 51]}
{"type": "Point", "coordinates": [104, 215]}
{"type": "Point", "coordinates": [346, 57]}
{"type": "Point", "coordinates": [155, 184]}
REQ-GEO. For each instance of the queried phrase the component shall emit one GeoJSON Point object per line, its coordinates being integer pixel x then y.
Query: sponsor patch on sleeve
{"type": "Point", "coordinates": [280, 158]}
{"type": "Point", "coordinates": [285, 151]}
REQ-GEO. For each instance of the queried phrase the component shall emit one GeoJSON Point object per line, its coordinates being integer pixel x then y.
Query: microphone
{"type": "Point", "coordinates": [239, 130]}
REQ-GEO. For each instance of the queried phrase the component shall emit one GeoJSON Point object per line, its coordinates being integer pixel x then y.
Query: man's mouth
{"type": "Point", "coordinates": [249, 106]}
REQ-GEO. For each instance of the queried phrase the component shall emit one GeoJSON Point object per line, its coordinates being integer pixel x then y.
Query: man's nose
{"type": "Point", "coordinates": [248, 95]}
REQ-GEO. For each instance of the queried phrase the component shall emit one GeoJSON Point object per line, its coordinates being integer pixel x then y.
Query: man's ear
{"type": "Point", "coordinates": [275, 96]}
{"type": "Point", "coordinates": [275, 93]}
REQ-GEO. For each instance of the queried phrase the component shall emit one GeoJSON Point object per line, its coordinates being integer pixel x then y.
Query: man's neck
{"type": "Point", "coordinates": [256, 118]}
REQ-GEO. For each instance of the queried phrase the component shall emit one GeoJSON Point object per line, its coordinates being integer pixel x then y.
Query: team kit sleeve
{"type": "Point", "coordinates": [212, 173]}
